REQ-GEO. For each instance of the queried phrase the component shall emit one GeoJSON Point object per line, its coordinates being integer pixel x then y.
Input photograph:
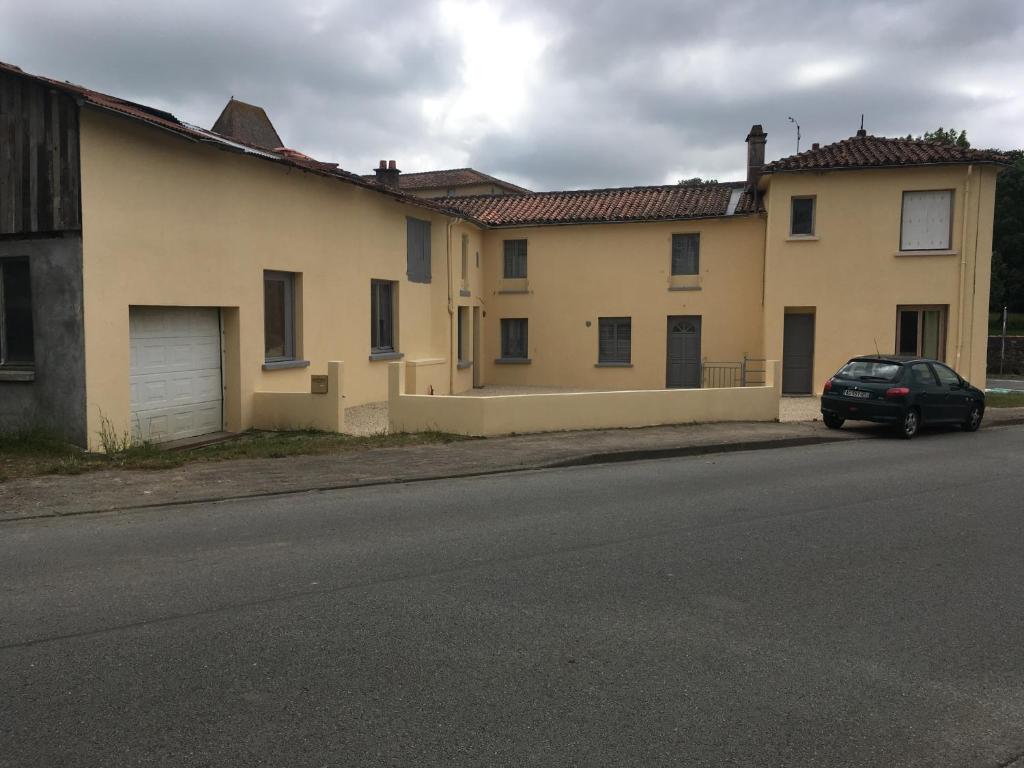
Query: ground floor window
{"type": "Point", "coordinates": [514, 337]}
{"type": "Point", "coordinates": [921, 331]}
{"type": "Point", "coordinates": [278, 316]}
{"type": "Point", "coordinates": [463, 329]}
{"type": "Point", "coordinates": [615, 336]}
{"type": "Point", "coordinates": [382, 316]}
{"type": "Point", "coordinates": [16, 343]}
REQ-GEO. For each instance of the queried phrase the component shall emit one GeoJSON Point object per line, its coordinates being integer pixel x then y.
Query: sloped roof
{"type": "Point", "coordinates": [623, 204]}
{"type": "Point", "coordinates": [166, 121]}
{"type": "Point", "coordinates": [247, 123]}
{"type": "Point", "coordinates": [881, 152]}
{"type": "Point", "coordinates": [450, 178]}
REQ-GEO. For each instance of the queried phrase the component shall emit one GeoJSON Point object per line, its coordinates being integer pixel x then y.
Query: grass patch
{"type": "Point", "coordinates": [1014, 323]}
{"type": "Point", "coordinates": [1004, 400]}
{"type": "Point", "coordinates": [35, 452]}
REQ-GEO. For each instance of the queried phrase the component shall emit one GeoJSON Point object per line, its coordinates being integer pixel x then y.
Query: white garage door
{"type": "Point", "coordinates": [175, 372]}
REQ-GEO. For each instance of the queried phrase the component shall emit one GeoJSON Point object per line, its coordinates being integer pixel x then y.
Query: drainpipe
{"type": "Point", "coordinates": [451, 306]}
{"type": "Point", "coordinates": [963, 269]}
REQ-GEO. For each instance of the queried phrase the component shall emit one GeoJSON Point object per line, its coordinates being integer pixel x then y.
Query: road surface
{"type": "Point", "coordinates": [851, 604]}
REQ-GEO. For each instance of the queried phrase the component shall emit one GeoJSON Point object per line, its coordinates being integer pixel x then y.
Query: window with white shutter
{"type": "Point", "coordinates": [927, 220]}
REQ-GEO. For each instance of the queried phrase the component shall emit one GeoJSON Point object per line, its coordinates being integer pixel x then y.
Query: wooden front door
{"type": "Point", "coordinates": [683, 363]}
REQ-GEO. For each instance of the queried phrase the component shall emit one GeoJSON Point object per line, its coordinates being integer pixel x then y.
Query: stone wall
{"type": "Point", "coordinates": [1014, 361]}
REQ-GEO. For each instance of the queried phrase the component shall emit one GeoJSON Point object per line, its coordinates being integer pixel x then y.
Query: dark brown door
{"type": "Point", "coordinates": [683, 352]}
{"type": "Point", "coordinates": [798, 354]}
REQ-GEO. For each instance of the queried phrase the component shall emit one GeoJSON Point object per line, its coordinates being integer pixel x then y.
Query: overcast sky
{"type": "Point", "coordinates": [552, 94]}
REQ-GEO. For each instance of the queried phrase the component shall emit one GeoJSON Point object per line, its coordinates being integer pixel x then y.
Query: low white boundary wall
{"type": "Point", "coordinates": [303, 410]}
{"type": "Point", "coordinates": [502, 414]}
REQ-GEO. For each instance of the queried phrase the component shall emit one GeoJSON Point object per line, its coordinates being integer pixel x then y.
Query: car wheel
{"type": "Point", "coordinates": [910, 424]}
{"type": "Point", "coordinates": [973, 420]}
{"type": "Point", "coordinates": [832, 420]}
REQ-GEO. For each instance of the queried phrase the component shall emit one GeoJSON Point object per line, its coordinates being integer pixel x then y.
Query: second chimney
{"type": "Point", "coordinates": [387, 174]}
{"type": "Point", "coordinates": [755, 154]}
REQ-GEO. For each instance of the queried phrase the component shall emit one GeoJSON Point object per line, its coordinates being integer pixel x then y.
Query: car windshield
{"type": "Point", "coordinates": [869, 370]}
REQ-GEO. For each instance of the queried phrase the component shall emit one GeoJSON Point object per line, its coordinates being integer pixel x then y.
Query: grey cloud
{"type": "Point", "coordinates": [615, 105]}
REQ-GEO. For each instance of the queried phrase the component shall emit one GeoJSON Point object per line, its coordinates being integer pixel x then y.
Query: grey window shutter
{"type": "Point", "coordinates": [418, 250]}
{"type": "Point", "coordinates": [515, 259]}
{"type": "Point", "coordinates": [615, 337]}
{"type": "Point", "coordinates": [686, 254]}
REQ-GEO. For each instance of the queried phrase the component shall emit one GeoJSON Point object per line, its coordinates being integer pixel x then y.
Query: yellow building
{"type": "Point", "coordinates": [166, 280]}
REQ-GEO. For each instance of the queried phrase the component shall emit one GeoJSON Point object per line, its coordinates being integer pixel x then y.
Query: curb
{"type": "Point", "coordinates": [583, 460]}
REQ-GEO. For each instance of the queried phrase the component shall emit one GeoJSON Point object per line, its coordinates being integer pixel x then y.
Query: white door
{"type": "Point", "coordinates": [175, 372]}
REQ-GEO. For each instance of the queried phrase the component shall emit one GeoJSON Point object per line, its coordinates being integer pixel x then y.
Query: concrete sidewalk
{"type": "Point", "coordinates": [56, 495]}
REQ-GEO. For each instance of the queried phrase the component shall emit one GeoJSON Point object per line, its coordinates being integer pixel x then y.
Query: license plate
{"type": "Point", "coordinates": [856, 393]}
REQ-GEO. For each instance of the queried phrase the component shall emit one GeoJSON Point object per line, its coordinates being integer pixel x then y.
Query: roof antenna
{"type": "Point", "coordinates": [877, 353]}
{"type": "Point", "coordinates": [794, 122]}
{"type": "Point", "coordinates": [862, 132]}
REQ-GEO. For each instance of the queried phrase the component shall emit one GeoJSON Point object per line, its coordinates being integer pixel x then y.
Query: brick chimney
{"type": "Point", "coordinates": [755, 154]}
{"type": "Point", "coordinates": [387, 174]}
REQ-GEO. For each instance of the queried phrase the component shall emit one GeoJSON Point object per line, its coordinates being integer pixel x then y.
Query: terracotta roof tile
{"type": "Point", "coordinates": [664, 203]}
{"type": "Point", "coordinates": [881, 152]}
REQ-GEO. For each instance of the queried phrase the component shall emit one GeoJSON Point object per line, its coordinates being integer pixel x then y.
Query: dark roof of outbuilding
{"type": "Point", "coordinates": [247, 123]}
{"type": "Point", "coordinates": [453, 177]}
{"type": "Point", "coordinates": [880, 152]}
{"type": "Point", "coordinates": [159, 118]}
{"type": "Point", "coordinates": [623, 204]}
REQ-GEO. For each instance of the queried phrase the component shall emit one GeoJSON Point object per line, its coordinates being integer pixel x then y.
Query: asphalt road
{"type": "Point", "coordinates": [1014, 384]}
{"type": "Point", "coordinates": [851, 604]}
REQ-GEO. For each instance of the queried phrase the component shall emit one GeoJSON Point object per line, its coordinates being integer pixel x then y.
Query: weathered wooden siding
{"type": "Point", "coordinates": [39, 169]}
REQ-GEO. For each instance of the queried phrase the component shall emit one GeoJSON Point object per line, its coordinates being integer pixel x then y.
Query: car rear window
{"type": "Point", "coordinates": [870, 370]}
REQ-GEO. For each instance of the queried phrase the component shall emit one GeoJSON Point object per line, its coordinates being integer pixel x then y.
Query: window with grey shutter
{"type": "Point", "coordinates": [514, 338]}
{"type": "Point", "coordinates": [278, 316]}
{"type": "Point", "coordinates": [417, 250]}
{"type": "Point", "coordinates": [382, 316]}
{"type": "Point", "coordinates": [927, 220]}
{"type": "Point", "coordinates": [515, 259]}
{"type": "Point", "coordinates": [615, 336]}
{"type": "Point", "coordinates": [686, 254]}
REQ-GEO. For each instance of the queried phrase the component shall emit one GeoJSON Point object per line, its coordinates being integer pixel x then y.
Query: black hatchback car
{"type": "Point", "coordinates": [903, 392]}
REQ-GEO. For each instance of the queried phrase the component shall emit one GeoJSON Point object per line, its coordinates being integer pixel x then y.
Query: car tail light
{"type": "Point", "coordinates": [828, 386]}
{"type": "Point", "coordinates": [892, 392]}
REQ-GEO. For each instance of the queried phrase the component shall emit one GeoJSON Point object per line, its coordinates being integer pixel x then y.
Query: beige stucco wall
{"type": "Point", "coordinates": [577, 274]}
{"type": "Point", "coordinates": [167, 222]}
{"type": "Point", "coordinates": [504, 414]}
{"type": "Point", "coordinates": [304, 410]}
{"type": "Point", "coordinates": [852, 276]}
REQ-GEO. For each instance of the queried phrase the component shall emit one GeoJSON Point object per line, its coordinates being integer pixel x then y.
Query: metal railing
{"type": "Point", "coordinates": [749, 372]}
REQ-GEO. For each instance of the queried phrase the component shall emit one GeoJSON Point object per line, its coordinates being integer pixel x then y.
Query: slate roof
{"type": "Point", "coordinates": [880, 152]}
{"type": "Point", "coordinates": [623, 204]}
{"type": "Point", "coordinates": [448, 179]}
{"type": "Point", "coordinates": [247, 123]}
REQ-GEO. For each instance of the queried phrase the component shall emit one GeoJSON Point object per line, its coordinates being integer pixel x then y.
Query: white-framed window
{"type": "Point", "coordinates": [927, 220]}
{"type": "Point", "coordinates": [921, 331]}
{"type": "Point", "coordinates": [278, 316]}
{"type": "Point", "coordinates": [801, 216]}
{"type": "Point", "coordinates": [382, 317]}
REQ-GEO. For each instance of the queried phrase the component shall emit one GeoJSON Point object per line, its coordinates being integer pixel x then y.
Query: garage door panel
{"type": "Point", "coordinates": [176, 388]}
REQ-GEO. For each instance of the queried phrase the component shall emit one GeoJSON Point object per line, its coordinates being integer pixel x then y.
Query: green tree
{"type": "Point", "coordinates": [694, 181]}
{"type": "Point", "coordinates": [949, 136]}
{"type": "Point", "coordinates": [1008, 237]}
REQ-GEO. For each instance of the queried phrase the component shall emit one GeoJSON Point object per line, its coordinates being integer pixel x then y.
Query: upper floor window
{"type": "Point", "coordinates": [615, 337]}
{"type": "Point", "coordinates": [686, 254]}
{"type": "Point", "coordinates": [927, 223]}
{"type": "Point", "coordinates": [16, 344]}
{"type": "Point", "coordinates": [278, 316]}
{"type": "Point", "coordinates": [515, 259]}
{"type": "Point", "coordinates": [465, 258]}
{"type": "Point", "coordinates": [417, 253]}
{"type": "Point", "coordinates": [801, 219]}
